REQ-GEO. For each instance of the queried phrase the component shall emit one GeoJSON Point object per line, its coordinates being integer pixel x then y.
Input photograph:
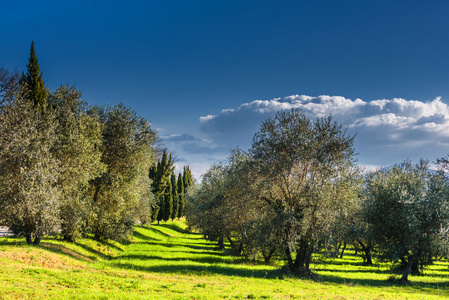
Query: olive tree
{"type": "Point", "coordinates": [29, 195]}
{"type": "Point", "coordinates": [406, 208]}
{"type": "Point", "coordinates": [126, 151]}
{"type": "Point", "coordinates": [77, 148]}
{"type": "Point", "coordinates": [305, 172]}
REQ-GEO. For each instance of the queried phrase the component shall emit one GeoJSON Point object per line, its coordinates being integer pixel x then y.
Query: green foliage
{"type": "Point", "coordinates": [78, 151]}
{"type": "Point", "coordinates": [181, 196]}
{"type": "Point", "coordinates": [175, 196]}
{"type": "Point", "coordinates": [29, 196]}
{"type": "Point", "coordinates": [127, 152]}
{"type": "Point", "coordinates": [285, 195]}
{"type": "Point", "coordinates": [167, 206]}
{"type": "Point", "coordinates": [406, 208]}
{"type": "Point", "coordinates": [187, 177]}
{"type": "Point", "coordinates": [160, 176]}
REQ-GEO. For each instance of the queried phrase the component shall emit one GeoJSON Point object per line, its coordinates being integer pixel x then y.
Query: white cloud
{"type": "Point", "coordinates": [206, 118]}
{"type": "Point", "coordinates": [388, 130]}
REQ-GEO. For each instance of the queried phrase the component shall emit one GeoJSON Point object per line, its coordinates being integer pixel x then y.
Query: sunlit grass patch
{"type": "Point", "coordinates": [166, 261]}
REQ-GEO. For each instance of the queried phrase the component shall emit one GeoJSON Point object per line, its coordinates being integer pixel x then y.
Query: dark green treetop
{"type": "Point", "coordinates": [33, 80]}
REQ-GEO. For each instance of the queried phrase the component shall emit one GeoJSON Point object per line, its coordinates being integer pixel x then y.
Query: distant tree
{"type": "Point", "coordinates": [159, 174]}
{"type": "Point", "coordinates": [175, 196]}
{"type": "Point", "coordinates": [167, 206]}
{"type": "Point", "coordinates": [406, 208]}
{"type": "Point", "coordinates": [33, 81]}
{"type": "Point", "coordinates": [187, 177]}
{"type": "Point", "coordinates": [9, 83]}
{"type": "Point", "coordinates": [181, 196]}
{"type": "Point", "coordinates": [29, 194]}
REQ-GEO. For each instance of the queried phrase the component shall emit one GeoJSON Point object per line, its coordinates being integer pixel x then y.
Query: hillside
{"type": "Point", "coordinates": [167, 262]}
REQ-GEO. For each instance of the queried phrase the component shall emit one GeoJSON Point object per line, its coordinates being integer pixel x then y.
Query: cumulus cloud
{"type": "Point", "coordinates": [387, 130]}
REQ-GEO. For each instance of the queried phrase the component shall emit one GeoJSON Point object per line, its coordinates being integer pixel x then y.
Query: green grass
{"type": "Point", "coordinates": [167, 262]}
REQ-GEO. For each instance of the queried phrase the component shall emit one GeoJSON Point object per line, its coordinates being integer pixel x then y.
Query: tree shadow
{"type": "Point", "coordinates": [175, 227]}
{"type": "Point", "coordinates": [428, 287]}
{"type": "Point", "coordinates": [199, 259]}
{"type": "Point", "coordinates": [144, 237]}
{"type": "Point", "coordinates": [60, 249]}
{"type": "Point", "coordinates": [90, 249]}
{"type": "Point", "coordinates": [191, 269]}
{"type": "Point", "coordinates": [179, 245]}
{"type": "Point", "coordinates": [161, 232]}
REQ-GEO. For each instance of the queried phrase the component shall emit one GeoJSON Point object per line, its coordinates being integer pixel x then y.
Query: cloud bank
{"type": "Point", "coordinates": [387, 130]}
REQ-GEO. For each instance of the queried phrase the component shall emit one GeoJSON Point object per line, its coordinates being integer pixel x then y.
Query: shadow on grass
{"type": "Point", "coordinates": [428, 287]}
{"type": "Point", "coordinates": [90, 249]}
{"type": "Point", "coordinates": [161, 232]}
{"type": "Point", "coordinates": [198, 259]}
{"type": "Point", "coordinates": [60, 249]}
{"type": "Point", "coordinates": [191, 269]}
{"type": "Point", "coordinates": [144, 237]}
{"type": "Point", "coordinates": [175, 227]}
{"type": "Point", "coordinates": [209, 247]}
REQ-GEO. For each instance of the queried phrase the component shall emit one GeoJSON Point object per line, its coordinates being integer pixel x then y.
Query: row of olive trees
{"type": "Point", "coordinates": [67, 168]}
{"type": "Point", "coordinates": [73, 169]}
{"type": "Point", "coordinates": [298, 191]}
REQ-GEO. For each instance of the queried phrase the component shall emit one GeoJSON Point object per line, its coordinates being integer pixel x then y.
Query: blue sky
{"type": "Point", "coordinates": [196, 68]}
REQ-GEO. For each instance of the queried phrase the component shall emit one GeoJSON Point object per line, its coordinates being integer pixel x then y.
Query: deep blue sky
{"type": "Point", "coordinates": [175, 61]}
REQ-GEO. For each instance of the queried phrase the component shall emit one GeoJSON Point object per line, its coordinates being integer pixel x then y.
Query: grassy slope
{"type": "Point", "coordinates": [165, 262]}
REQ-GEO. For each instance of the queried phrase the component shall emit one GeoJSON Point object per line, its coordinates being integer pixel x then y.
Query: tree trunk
{"type": "Point", "coordinates": [343, 250]}
{"type": "Point", "coordinates": [28, 238]}
{"type": "Point", "coordinates": [37, 240]}
{"type": "Point", "coordinates": [408, 269]}
{"type": "Point", "coordinates": [367, 253]}
{"type": "Point", "coordinates": [288, 254]}
{"type": "Point", "coordinates": [301, 265]}
{"type": "Point", "coordinates": [220, 243]}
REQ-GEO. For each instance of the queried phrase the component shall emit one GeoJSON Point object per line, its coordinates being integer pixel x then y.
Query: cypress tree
{"type": "Point", "coordinates": [187, 177]}
{"type": "Point", "coordinates": [160, 176]}
{"type": "Point", "coordinates": [167, 207]}
{"type": "Point", "coordinates": [34, 82]}
{"type": "Point", "coordinates": [175, 196]}
{"type": "Point", "coordinates": [181, 197]}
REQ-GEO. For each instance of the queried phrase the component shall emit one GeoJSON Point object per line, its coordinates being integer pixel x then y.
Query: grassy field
{"type": "Point", "coordinates": [167, 262]}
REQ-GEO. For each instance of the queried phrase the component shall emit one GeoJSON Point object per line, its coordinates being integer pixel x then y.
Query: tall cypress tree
{"type": "Point", "coordinates": [34, 82]}
{"type": "Point", "coordinates": [175, 196]}
{"type": "Point", "coordinates": [181, 197]}
{"type": "Point", "coordinates": [167, 207]}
